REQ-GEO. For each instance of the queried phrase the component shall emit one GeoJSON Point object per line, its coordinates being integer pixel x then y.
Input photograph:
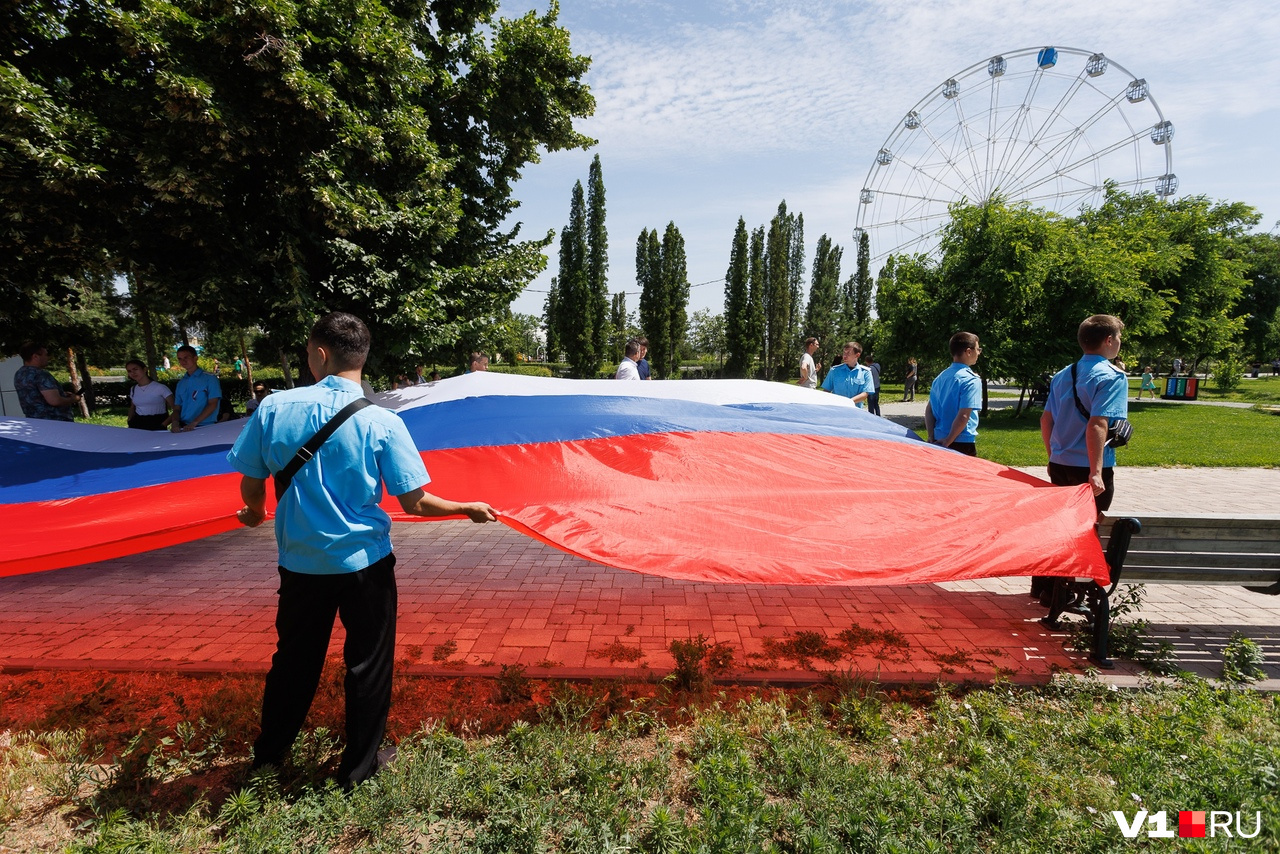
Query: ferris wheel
{"type": "Point", "coordinates": [1046, 126]}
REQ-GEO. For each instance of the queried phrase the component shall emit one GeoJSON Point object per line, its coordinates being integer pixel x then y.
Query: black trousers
{"type": "Point", "coordinates": [366, 603]}
{"type": "Point", "coordinates": [969, 449]}
{"type": "Point", "coordinates": [873, 403]}
{"type": "Point", "coordinates": [1062, 475]}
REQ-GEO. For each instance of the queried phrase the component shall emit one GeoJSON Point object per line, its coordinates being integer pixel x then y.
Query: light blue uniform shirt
{"type": "Point", "coordinates": [194, 392]}
{"type": "Point", "coordinates": [329, 521]}
{"type": "Point", "coordinates": [956, 388]}
{"type": "Point", "coordinates": [1103, 391]}
{"type": "Point", "coordinates": [849, 382]}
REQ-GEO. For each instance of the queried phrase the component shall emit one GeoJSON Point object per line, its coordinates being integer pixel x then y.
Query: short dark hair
{"type": "Point", "coordinates": [962, 341]}
{"type": "Point", "coordinates": [478, 356]}
{"type": "Point", "coordinates": [137, 362]}
{"type": "Point", "coordinates": [810, 340]}
{"type": "Point", "coordinates": [1096, 329]}
{"type": "Point", "coordinates": [345, 337]}
{"type": "Point", "coordinates": [852, 345]}
{"type": "Point", "coordinates": [643, 342]}
{"type": "Point", "coordinates": [186, 348]}
{"type": "Point", "coordinates": [29, 349]}
{"type": "Point", "coordinates": [632, 348]}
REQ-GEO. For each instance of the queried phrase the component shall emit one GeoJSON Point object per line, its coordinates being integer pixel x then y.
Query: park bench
{"type": "Point", "coordinates": [1167, 549]}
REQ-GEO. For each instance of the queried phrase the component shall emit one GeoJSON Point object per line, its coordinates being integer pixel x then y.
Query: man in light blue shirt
{"type": "Point", "coordinates": [951, 415]}
{"type": "Point", "coordinates": [849, 379]}
{"type": "Point", "coordinates": [1076, 445]}
{"type": "Point", "coordinates": [334, 542]}
{"type": "Point", "coordinates": [197, 397]}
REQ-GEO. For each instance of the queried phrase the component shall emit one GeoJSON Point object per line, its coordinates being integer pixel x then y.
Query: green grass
{"type": "Point", "coordinates": [838, 769]}
{"type": "Point", "coordinates": [1164, 434]}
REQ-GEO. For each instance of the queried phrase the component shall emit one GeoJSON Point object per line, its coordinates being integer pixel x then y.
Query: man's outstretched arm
{"type": "Point", "coordinates": [418, 502]}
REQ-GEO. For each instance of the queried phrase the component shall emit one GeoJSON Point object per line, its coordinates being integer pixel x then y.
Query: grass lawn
{"type": "Point", "coordinates": [595, 768]}
{"type": "Point", "coordinates": [1265, 389]}
{"type": "Point", "coordinates": [1164, 434]}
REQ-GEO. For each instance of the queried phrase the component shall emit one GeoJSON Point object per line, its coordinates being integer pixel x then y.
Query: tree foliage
{"type": "Point", "coordinates": [822, 315]}
{"type": "Point", "coordinates": [259, 162]}
{"type": "Point", "coordinates": [661, 272]}
{"type": "Point", "coordinates": [739, 342]}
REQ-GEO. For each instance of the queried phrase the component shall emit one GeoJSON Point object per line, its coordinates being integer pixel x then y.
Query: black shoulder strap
{"type": "Point", "coordinates": [284, 477]}
{"type": "Point", "coordinates": [1079, 405]}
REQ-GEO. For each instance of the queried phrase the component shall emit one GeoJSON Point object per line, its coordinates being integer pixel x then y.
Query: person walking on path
{"type": "Point", "coordinates": [849, 379]}
{"type": "Point", "coordinates": [198, 396]}
{"type": "Point", "coordinates": [333, 540]}
{"type": "Point", "coordinates": [808, 370]}
{"type": "Point", "coordinates": [951, 415]}
{"type": "Point", "coordinates": [39, 394]}
{"type": "Point", "coordinates": [1148, 383]}
{"type": "Point", "coordinates": [909, 382]}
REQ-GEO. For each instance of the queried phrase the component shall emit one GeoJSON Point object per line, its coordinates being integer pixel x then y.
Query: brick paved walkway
{"type": "Point", "coordinates": [473, 598]}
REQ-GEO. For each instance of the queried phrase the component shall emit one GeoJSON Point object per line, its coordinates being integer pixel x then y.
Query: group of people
{"type": "Point", "coordinates": [1084, 400]}
{"type": "Point", "coordinates": [195, 402]}
{"type": "Point", "coordinates": [634, 365]}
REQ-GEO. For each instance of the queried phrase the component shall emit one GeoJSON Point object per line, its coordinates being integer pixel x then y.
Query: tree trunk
{"type": "Point", "coordinates": [248, 366]}
{"type": "Point", "coordinates": [284, 365]}
{"type": "Point", "coordinates": [1022, 394]}
{"type": "Point", "coordinates": [182, 330]}
{"type": "Point", "coordinates": [144, 315]}
{"type": "Point", "coordinates": [75, 380]}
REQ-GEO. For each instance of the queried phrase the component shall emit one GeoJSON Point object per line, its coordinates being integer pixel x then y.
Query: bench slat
{"type": "Point", "coordinates": [1174, 544]}
{"type": "Point", "coordinates": [1206, 559]}
{"type": "Point", "coordinates": [1190, 575]}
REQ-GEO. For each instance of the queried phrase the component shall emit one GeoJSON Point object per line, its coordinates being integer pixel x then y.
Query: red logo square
{"type": "Point", "coordinates": [1191, 823]}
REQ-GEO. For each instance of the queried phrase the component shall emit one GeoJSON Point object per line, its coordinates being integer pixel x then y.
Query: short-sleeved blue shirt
{"type": "Point", "coordinates": [30, 383]}
{"type": "Point", "coordinates": [849, 382]}
{"type": "Point", "coordinates": [956, 388]}
{"type": "Point", "coordinates": [194, 392]}
{"type": "Point", "coordinates": [1104, 392]}
{"type": "Point", "coordinates": [329, 521]}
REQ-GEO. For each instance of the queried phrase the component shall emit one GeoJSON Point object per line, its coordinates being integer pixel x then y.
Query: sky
{"type": "Point", "coordinates": [711, 111]}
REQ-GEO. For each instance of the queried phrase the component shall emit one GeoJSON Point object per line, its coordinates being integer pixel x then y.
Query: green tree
{"type": "Point", "coordinates": [739, 343]}
{"type": "Point", "coordinates": [655, 311]}
{"type": "Point", "coordinates": [757, 296]}
{"type": "Point", "coordinates": [822, 314]}
{"type": "Point", "coordinates": [576, 298]}
{"type": "Point", "coordinates": [860, 293]}
{"type": "Point", "coordinates": [1261, 297]}
{"type": "Point", "coordinates": [777, 293]}
{"type": "Point", "coordinates": [552, 320]}
{"type": "Point", "coordinates": [621, 328]}
{"type": "Point", "coordinates": [675, 287]}
{"type": "Point", "coordinates": [260, 163]}
{"type": "Point", "coordinates": [597, 263]}
{"type": "Point", "coordinates": [707, 335]}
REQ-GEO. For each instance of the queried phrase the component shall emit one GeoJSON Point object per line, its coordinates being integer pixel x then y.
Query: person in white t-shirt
{"type": "Point", "coordinates": [149, 401]}
{"type": "Point", "coordinates": [808, 370]}
{"type": "Point", "coordinates": [627, 368]}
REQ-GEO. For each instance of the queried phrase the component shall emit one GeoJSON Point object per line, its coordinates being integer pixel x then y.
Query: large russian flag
{"type": "Point", "coordinates": [715, 480]}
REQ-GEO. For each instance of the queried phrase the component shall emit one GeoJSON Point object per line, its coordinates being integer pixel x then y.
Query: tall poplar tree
{"type": "Point", "coordinates": [737, 319]}
{"type": "Point", "coordinates": [756, 297]}
{"type": "Point", "coordinates": [597, 263]}
{"type": "Point", "coordinates": [862, 288]}
{"type": "Point", "coordinates": [551, 317]}
{"type": "Point", "coordinates": [795, 265]}
{"type": "Point", "coordinates": [777, 292]}
{"type": "Point", "coordinates": [822, 316]}
{"type": "Point", "coordinates": [575, 296]}
{"type": "Point", "coordinates": [675, 284]}
{"type": "Point", "coordinates": [654, 314]}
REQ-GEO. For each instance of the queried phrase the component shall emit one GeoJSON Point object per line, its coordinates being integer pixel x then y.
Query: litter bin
{"type": "Point", "coordinates": [1180, 388]}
